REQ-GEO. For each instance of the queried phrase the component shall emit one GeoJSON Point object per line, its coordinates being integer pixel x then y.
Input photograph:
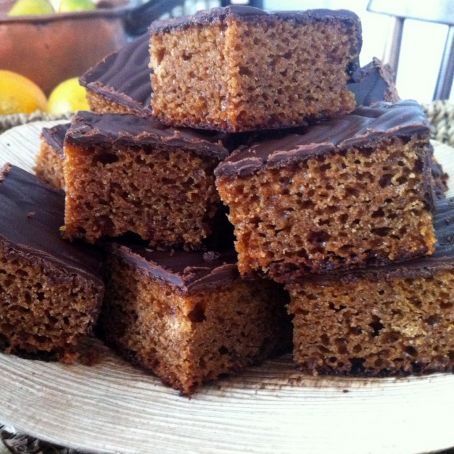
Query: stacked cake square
{"type": "Point", "coordinates": [262, 124]}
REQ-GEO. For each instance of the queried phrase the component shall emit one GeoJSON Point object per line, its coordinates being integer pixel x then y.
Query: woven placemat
{"type": "Point", "coordinates": [10, 121]}
{"type": "Point", "coordinates": [23, 444]}
{"type": "Point", "coordinates": [441, 116]}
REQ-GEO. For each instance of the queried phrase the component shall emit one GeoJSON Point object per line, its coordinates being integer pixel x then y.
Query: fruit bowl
{"type": "Point", "coordinates": [50, 48]}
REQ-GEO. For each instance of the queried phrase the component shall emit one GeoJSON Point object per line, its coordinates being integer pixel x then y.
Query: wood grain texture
{"type": "Point", "coordinates": [114, 407]}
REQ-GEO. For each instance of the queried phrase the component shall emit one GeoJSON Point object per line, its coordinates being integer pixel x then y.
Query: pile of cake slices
{"type": "Point", "coordinates": [261, 188]}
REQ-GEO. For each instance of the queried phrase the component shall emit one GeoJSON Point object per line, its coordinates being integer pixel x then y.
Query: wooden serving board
{"type": "Point", "coordinates": [114, 407]}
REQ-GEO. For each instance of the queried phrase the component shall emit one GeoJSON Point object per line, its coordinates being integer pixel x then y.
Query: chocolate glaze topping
{"type": "Point", "coordinates": [55, 137]}
{"type": "Point", "coordinates": [443, 259]}
{"type": "Point", "coordinates": [31, 216]}
{"type": "Point", "coordinates": [251, 14]}
{"type": "Point", "coordinates": [373, 83]}
{"type": "Point", "coordinates": [363, 127]}
{"type": "Point", "coordinates": [95, 129]}
{"type": "Point", "coordinates": [440, 180]}
{"type": "Point", "coordinates": [124, 77]}
{"type": "Point", "coordinates": [188, 271]}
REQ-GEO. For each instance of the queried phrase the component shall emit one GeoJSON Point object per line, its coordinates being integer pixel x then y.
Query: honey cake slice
{"type": "Point", "coordinates": [188, 316]}
{"type": "Point", "coordinates": [349, 192]}
{"type": "Point", "coordinates": [239, 68]}
{"type": "Point", "coordinates": [127, 174]}
{"type": "Point", "coordinates": [49, 161]}
{"type": "Point", "coordinates": [374, 83]}
{"type": "Point", "coordinates": [50, 290]}
{"type": "Point", "coordinates": [120, 83]}
{"type": "Point", "coordinates": [397, 319]}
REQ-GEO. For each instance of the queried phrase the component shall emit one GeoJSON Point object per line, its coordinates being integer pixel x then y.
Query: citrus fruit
{"type": "Point", "coordinates": [68, 96]}
{"type": "Point", "coordinates": [69, 6]}
{"type": "Point", "coordinates": [19, 94]}
{"type": "Point", "coordinates": [31, 8]}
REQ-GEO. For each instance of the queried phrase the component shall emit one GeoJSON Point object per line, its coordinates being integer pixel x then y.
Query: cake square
{"type": "Point", "coordinates": [241, 69]}
{"type": "Point", "coordinates": [126, 174]}
{"type": "Point", "coordinates": [188, 316]}
{"type": "Point", "coordinates": [120, 83]}
{"type": "Point", "coordinates": [50, 290]}
{"type": "Point", "coordinates": [349, 192]}
{"type": "Point", "coordinates": [49, 162]}
{"type": "Point", "coordinates": [374, 83]}
{"type": "Point", "coordinates": [392, 320]}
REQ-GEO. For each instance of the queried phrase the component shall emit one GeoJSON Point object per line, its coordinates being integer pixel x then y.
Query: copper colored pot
{"type": "Point", "coordinates": [49, 49]}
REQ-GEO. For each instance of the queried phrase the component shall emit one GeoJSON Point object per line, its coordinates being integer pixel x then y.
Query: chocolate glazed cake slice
{"type": "Point", "coordinates": [397, 319]}
{"type": "Point", "coordinates": [128, 174]}
{"type": "Point", "coordinates": [188, 316]}
{"type": "Point", "coordinates": [374, 83]}
{"type": "Point", "coordinates": [348, 192]}
{"type": "Point", "coordinates": [243, 69]}
{"type": "Point", "coordinates": [49, 162]}
{"type": "Point", "coordinates": [50, 290]}
{"type": "Point", "coordinates": [121, 82]}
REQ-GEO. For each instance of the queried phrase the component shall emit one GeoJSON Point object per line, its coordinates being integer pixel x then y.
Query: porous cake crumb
{"type": "Point", "coordinates": [392, 320]}
{"type": "Point", "coordinates": [126, 174]}
{"type": "Point", "coordinates": [50, 290]}
{"type": "Point", "coordinates": [239, 68]}
{"type": "Point", "coordinates": [349, 192]}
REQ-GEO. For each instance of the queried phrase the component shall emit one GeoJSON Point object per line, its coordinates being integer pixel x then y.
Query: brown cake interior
{"type": "Point", "coordinates": [187, 339]}
{"type": "Point", "coordinates": [101, 104]}
{"type": "Point", "coordinates": [49, 166]}
{"type": "Point", "coordinates": [45, 309]}
{"type": "Point", "coordinates": [338, 210]}
{"type": "Point", "coordinates": [374, 327]}
{"type": "Point", "coordinates": [244, 75]}
{"type": "Point", "coordinates": [165, 195]}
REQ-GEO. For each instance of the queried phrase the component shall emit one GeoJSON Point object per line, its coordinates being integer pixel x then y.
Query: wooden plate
{"type": "Point", "coordinates": [113, 407]}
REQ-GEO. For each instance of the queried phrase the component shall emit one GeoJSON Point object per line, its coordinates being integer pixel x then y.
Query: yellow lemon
{"type": "Point", "coordinates": [30, 8]}
{"type": "Point", "coordinates": [19, 94]}
{"type": "Point", "coordinates": [69, 96]}
{"type": "Point", "coordinates": [69, 6]}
